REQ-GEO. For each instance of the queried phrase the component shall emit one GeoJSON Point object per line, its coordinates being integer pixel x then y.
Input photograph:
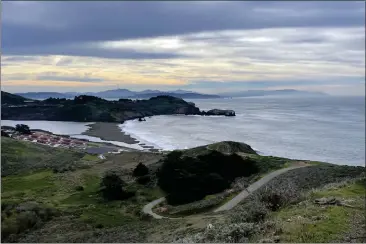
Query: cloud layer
{"type": "Point", "coordinates": [98, 45]}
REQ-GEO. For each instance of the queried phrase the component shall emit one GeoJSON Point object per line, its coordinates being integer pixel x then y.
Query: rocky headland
{"type": "Point", "coordinates": [94, 109]}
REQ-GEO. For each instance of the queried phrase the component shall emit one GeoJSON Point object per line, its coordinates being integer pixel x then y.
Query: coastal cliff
{"type": "Point", "coordinates": [89, 108]}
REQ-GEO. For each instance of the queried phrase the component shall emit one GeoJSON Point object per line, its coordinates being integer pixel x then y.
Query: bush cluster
{"type": "Point", "coordinates": [186, 179]}
{"type": "Point", "coordinates": [111, 187]}
{"type": "Point", "coordinates": [21, 217]}
{"type": "Point", "coordinates": [23, 129]}
{"type": "Point", "coordinates": [140, 170]}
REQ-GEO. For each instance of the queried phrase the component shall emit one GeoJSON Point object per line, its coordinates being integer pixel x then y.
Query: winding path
{"type": "Point", "coordinates": [147, 209]}
{"type": "Point", "coordinates": [253, 187]}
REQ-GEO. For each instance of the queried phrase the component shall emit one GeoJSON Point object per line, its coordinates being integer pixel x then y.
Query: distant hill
{"type": "Point", "coordinates": [117, 93]}
{"type": "Point", "coordinates": [285, 92]}
{"type": "Point", "coordinates": [8, 98]}
{"type": "Point", "coordinates": [45, 95]}
{"type": "Point", "coordinates": [125, 93]}
{"type": "Point", "coordinates": [176, 94]}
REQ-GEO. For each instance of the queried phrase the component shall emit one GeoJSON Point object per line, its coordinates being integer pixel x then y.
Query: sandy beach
{"type": "Point", "coordinates": [109, 132]}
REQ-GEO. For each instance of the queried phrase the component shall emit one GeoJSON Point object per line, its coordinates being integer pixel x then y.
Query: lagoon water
{"type": "Point", "coordinates": [56, 127]}
{"type": "Point", "coordinates": [330, 129]}
{"type": "Point", "coordinates": [73, 129]}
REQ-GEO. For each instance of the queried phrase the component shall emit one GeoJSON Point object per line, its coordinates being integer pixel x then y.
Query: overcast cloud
{"type": "Point", "coordinates": [90, 46]}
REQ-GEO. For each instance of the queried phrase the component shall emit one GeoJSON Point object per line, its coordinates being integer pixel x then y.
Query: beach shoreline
{"type": "Point", "coordinates": [109, 132]}
{"type": "Point", "coordinates": [112, 132]}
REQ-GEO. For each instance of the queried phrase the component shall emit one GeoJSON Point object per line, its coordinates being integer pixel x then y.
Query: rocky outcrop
{"type": "Point", "coordinates": [226, 147]}
{"type": "Point", "coordinates": [220, 112]}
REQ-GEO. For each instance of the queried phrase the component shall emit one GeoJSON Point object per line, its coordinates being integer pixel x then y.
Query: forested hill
{"type": "Point", "coordinates": [89, 108]}
{"type": "Point", "coordinates": [8, 98]}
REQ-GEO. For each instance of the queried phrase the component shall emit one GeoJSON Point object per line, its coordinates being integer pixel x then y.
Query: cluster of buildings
{"type": "Point", "coordinates": [51, 140]}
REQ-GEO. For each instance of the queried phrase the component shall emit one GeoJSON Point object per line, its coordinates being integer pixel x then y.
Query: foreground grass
{"type": "Point", "coordinates": [311, 223]}
{"type": "Point", "coordinates": [30, 187]}
{"type": "Point", "coordinates": [67, 207]}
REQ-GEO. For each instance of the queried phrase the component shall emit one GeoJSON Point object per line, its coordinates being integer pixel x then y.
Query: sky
{"type": "Point", "coordinates": [208, 47]}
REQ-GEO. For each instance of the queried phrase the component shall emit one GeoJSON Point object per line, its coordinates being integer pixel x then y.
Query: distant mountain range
{"type": "Point", "coordinates": [125, 93]}
{"type": "Point", "coordinates": [118, 93]}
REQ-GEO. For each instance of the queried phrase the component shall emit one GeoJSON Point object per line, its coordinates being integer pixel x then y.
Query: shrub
{"type": "Point", "coordinates": [253, 211]}
{"type": "Point", "coordinates": [8, 229]}
{"type": "Point", "coordinates": [143, 180]}
{"type": "Point", "coordinates": [140, 170]}
{"type": "Point", "coordinates": [26, 220]}
{"type": "Point", "coordinates": [3, 133]}
{"type": "Point", "coordinates": [79, 188]}
{"type": "Point", "coordinates": [231, 233]}
{"type": "Point", "coordinates": [23, 129]}
{"type": "Point", "coordinates": [214, 179]}
{"type": "Point", "coordinates": [275, 198]}
{"type": "Point", "coordinates": [111, 188]}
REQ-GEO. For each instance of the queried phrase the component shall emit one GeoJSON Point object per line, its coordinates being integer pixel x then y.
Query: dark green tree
{"type": "Point", "coordinates": [111, 187]}
{"type": "Point", "coordinates": [3, 133]}
{"type": "Point", "coordinates": [186, 179]}
{"type": "Point", "coordinates": [23, 129]}
{"type": "Point", "coordinates": [140, 170]}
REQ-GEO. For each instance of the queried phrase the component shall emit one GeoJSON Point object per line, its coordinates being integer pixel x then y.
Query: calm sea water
{"type": "Point", "coordinates": [330, 129]}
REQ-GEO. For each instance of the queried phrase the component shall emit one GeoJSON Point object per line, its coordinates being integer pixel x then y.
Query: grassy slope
{"type": "Point", "coordinates": [85, 217]}
{"type": "Point", "coordinates": [18, 156]}
{"type": "Point", "coordinates": [34, 182]}
{"type": "Point", "coordinates": [308, 222]}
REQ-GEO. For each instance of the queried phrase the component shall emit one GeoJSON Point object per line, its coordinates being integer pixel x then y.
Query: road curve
{"type": "Point", "coordinates": [147, 209]}
{"type": "Point", "coordinates": [253, 187]}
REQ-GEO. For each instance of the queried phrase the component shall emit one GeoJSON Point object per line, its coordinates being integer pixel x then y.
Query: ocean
{"type": "Point", "coordinates": [324, 128]}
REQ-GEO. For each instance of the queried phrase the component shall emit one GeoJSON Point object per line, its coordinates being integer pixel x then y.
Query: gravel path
{"type": "Point", "coordinates": [253, 187]}
{"type": "Point", "coordinates": [147, 209]}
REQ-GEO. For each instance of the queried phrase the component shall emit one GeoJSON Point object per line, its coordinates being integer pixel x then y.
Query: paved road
{"type": "Point", "coordinates": [253, 187]}
{"type": "Point", "coordinates": [147, 209]}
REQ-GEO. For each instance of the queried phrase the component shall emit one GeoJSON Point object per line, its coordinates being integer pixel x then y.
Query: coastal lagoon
{"type": "Point", "coordinates": [56, 127]}
{"type": "Point", "coordinates": [325, 128]}
{"type": "Point", "coordinates": [73, 129]}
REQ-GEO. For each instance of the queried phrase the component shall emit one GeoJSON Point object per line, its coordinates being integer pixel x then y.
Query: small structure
{"type": "Point", "coordinates": [101, 156]}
